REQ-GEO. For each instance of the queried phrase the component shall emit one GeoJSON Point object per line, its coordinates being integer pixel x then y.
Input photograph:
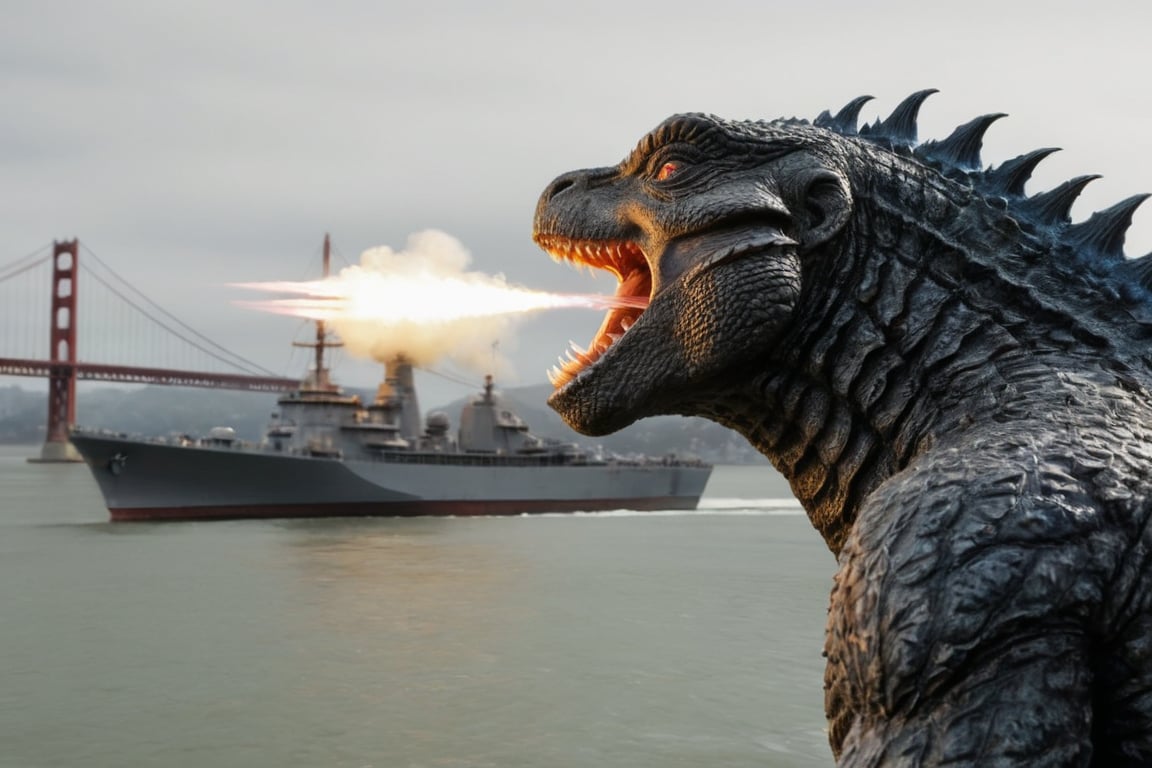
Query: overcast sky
{"type": "Point", "coordinates": [191, 145]}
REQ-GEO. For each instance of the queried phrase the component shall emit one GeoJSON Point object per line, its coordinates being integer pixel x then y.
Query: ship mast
{"type": "Point", "coordinates": [320, 381]}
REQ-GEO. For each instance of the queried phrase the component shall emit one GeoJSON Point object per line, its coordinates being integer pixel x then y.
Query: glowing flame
{"type": "Point", "coordinates": [358, 295]}
{"type": "Point", "coordinates": [420, 302]}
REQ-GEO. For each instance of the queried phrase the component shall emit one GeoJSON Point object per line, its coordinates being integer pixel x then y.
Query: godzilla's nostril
{"type": "Point", "coordinates": [559, 186]}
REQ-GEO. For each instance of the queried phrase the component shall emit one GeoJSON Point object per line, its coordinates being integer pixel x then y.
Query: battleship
{"type": "Point", "coordinates": [326, 453]}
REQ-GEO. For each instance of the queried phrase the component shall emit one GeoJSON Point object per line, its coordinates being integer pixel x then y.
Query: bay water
{"type": "Point", "coordinates": [637, 640]}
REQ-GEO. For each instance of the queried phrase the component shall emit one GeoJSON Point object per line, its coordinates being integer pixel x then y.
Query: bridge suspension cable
{"type": "Point", "coordinates": [208, 347]}
{"type": "Point", "coordinates": [23, 308]}
{"type": "Point", "coordinates": [25, 263]}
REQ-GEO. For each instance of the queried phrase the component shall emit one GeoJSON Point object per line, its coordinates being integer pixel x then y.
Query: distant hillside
{"type": "Point", "coordinates": [170, 410]}
{"type": "Point", "coordinates": [148, 410]}
{"type": "Point", "coordinates": [22, 415]}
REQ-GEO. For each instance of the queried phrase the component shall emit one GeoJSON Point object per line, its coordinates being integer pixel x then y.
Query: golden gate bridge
{"type": "Point", "coordinates": [115, 312]}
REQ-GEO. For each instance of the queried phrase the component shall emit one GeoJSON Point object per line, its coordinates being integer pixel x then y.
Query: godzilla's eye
{"type": "Point", "coordinates": [667, 171]}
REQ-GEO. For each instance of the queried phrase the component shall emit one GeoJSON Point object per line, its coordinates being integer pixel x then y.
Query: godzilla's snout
{"type": "Point", "coordinates": [566, 204]}
{"type": "Point", "coordinates": [545, 219]}
{"type": "Point", "coordinates": [561, 183]}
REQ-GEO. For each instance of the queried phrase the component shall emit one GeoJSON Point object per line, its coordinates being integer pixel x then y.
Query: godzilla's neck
{"type": "Point", "coordinates": [897, 355]}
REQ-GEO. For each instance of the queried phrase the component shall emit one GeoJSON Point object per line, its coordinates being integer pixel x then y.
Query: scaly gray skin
{"type": "Point", "coordinates": [956, 382]}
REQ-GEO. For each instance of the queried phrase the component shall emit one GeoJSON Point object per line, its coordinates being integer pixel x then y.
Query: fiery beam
{"type": "Point", "coordinates": [421, 301]}
{"type": "Point", "coordinates": [364, 296]}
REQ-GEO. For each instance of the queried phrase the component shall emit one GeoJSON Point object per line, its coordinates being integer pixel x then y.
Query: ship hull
{"type": "Point", "coordinates": [144, 480]}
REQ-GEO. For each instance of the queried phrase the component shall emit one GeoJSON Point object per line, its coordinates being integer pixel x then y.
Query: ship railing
{"type": "Point", "coordinates": [530, 460]}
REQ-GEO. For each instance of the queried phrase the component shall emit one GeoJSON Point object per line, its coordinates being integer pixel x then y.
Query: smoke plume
{"type": "Point", "coordinates": [431, 331]}
{"type": "Point", "coordinates": [423, 303]}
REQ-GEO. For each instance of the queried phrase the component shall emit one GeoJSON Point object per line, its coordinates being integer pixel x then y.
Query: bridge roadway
{"type": "Point", "coordinates": [136, 375]}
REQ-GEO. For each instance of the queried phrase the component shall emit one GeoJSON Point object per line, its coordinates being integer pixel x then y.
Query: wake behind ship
{"type": "Point", "coordinates": [326, 454]}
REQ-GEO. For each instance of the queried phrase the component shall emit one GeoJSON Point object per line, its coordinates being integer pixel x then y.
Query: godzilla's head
{"type": "Point", "coordinates": [710, 220]}
{"type": "Point", "coordinates": [729, 229]}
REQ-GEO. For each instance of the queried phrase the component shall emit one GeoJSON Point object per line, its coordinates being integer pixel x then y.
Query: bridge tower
{"type": "Point", "coordinates": [62, 379]}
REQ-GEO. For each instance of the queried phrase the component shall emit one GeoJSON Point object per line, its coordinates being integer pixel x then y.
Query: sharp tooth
{"type": "Point", "coordinates": [626, 323]}
{"type": "Point", "coordinates": [553, 376]}
{"type": "Point", "coordinates": [615, 337]}
{"type": "Point", "coordinates": [581, 354]}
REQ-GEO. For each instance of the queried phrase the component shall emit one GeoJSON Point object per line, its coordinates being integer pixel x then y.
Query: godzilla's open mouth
{"type": "Point", "coordinates": [627, 262]}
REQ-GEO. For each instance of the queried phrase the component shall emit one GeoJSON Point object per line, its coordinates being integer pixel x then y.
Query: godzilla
{"type": "Point", "coordinates": [954, 377]}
